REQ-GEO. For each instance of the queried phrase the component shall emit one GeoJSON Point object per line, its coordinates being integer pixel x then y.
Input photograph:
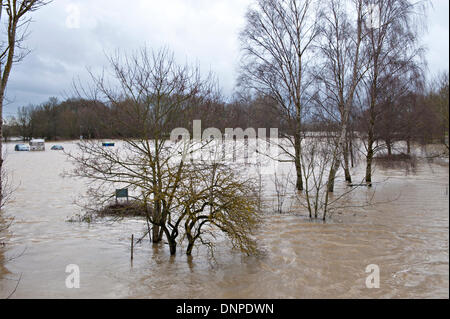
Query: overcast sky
{"type": "Point", "coordinates": [67, 36]}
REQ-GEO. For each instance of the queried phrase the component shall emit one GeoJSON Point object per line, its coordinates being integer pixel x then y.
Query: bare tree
{"type": "Point", "coordinates": [392, 41]}
{"type": "Point", "coordinates": [16, 15]}
{"type": "Point", "coordinates": [344, 66]}
{"type": "Point", "coordinates": [281, 184]}
{"type": "Point", "coordinates": [395, 110]}
{"type": "Point", "coordinates": [277, 46]}
{"type": "Point", "coordinates": [151, 92]}
{"type": "Point", "coordinates": [318, 157]}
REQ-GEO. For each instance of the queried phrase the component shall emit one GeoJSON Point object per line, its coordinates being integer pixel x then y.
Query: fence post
{"type": "Point", "coordinates": [132, 246]}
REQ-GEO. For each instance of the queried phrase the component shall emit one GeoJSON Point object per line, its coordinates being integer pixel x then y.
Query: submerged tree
{"type": "Point", "coordinates": [397, 111]}
{"type": "Point", "coordinates": [392, 43]}
{"type": "Point", "coordinates": [277, 46]}
{"type": "Point", "coordinates": [344, 65]}
{"type": "Point", "coordinates": [175, 188]}
{"type": "Point", "coordinates": [318, 157]}
{"type": "Point", "coordinates": [217, 197]}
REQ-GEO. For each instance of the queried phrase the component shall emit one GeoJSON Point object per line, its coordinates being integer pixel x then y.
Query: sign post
{"type": "Point", "coordinates": [121, 193]}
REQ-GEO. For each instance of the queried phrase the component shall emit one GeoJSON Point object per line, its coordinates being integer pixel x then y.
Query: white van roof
{"type": "Point", "coordinates": [37, 141]}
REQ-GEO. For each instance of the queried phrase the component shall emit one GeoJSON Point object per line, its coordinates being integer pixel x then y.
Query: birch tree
{"type": "Point", "coordinates": [277, 46]}
{"type": "Point", "coordinates": [344, 66]}
{"type": "Point", "coordinates": [392, 41]}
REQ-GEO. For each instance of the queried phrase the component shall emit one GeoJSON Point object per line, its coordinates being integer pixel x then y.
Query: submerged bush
{"type": "Point", "coordinates": [130, 209]}
{"type": "Point", "coordinates": [114, 210]}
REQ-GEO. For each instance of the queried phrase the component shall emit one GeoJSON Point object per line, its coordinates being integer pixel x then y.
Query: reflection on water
{"type": "Point", "coordinates": [408, 238]}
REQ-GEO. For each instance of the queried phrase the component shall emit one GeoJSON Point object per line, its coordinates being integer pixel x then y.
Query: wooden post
{"type": "Point", "coordinates": [132, 244]}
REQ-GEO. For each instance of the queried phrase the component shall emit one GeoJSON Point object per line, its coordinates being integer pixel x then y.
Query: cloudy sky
{"type": "Point", "coordinates": [68, 36]}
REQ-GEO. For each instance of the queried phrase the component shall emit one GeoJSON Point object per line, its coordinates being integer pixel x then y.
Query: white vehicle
{"type": "Point", "coordinates": [37, 145]}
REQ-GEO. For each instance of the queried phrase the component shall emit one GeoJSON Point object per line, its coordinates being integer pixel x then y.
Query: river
{"type": "Point", "coordinates": [405, 233]}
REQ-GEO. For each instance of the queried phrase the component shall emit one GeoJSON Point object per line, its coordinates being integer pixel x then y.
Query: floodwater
{"type": "Point", "coordinates": [405, 233]}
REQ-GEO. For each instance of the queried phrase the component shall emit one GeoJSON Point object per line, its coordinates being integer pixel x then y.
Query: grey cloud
{"type": "Point", "coordinates": [202, 31]}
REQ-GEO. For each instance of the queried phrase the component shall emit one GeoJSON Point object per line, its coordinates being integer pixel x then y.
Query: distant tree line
{"type": "Point", "coordinates": [72, 118]}
{"type": "Point", "coordinates": [420, 117]}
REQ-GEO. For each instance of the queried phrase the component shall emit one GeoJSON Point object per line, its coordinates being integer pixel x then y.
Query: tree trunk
{"type": "Point", "coordinates": [173, 247]}
{"type": "Point", "coordinates": [352, 155]}
{"type": "Point", "coordinates": [189, 248]}
{"type": "Point", "coordinates": [408, 146]}
{"type": "Point", "coordinates": [371, 129]}
{"type": "Point", "coordinates": [1, 130]}
{"type": "Point", "coordinates": [171, 239]}
{"type": "Point", "coordinates": [298, 164]}
{"type": "Point", "coordinates": [155, 234]}
{"type": "Point", "coordinates": [156, 230]}
{"type": "Point", "coordinates": [332, 176]}
{"type": "Point", "coordinates": [341, 152]}
{"type": "Point", "coordinates": [389, 147]}
{"type": "Point", "coordinates": [348, 176]}
{"type": "Point", "coordinates": [369, 158]}
{"type": "Point", "coordinates": [1, 152]}
{"type": "Point", "coordinates": [5, 71]}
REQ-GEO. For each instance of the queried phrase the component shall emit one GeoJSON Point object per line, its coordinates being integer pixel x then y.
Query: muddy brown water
{"type": "Point", "coordinates": [406, 234]}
